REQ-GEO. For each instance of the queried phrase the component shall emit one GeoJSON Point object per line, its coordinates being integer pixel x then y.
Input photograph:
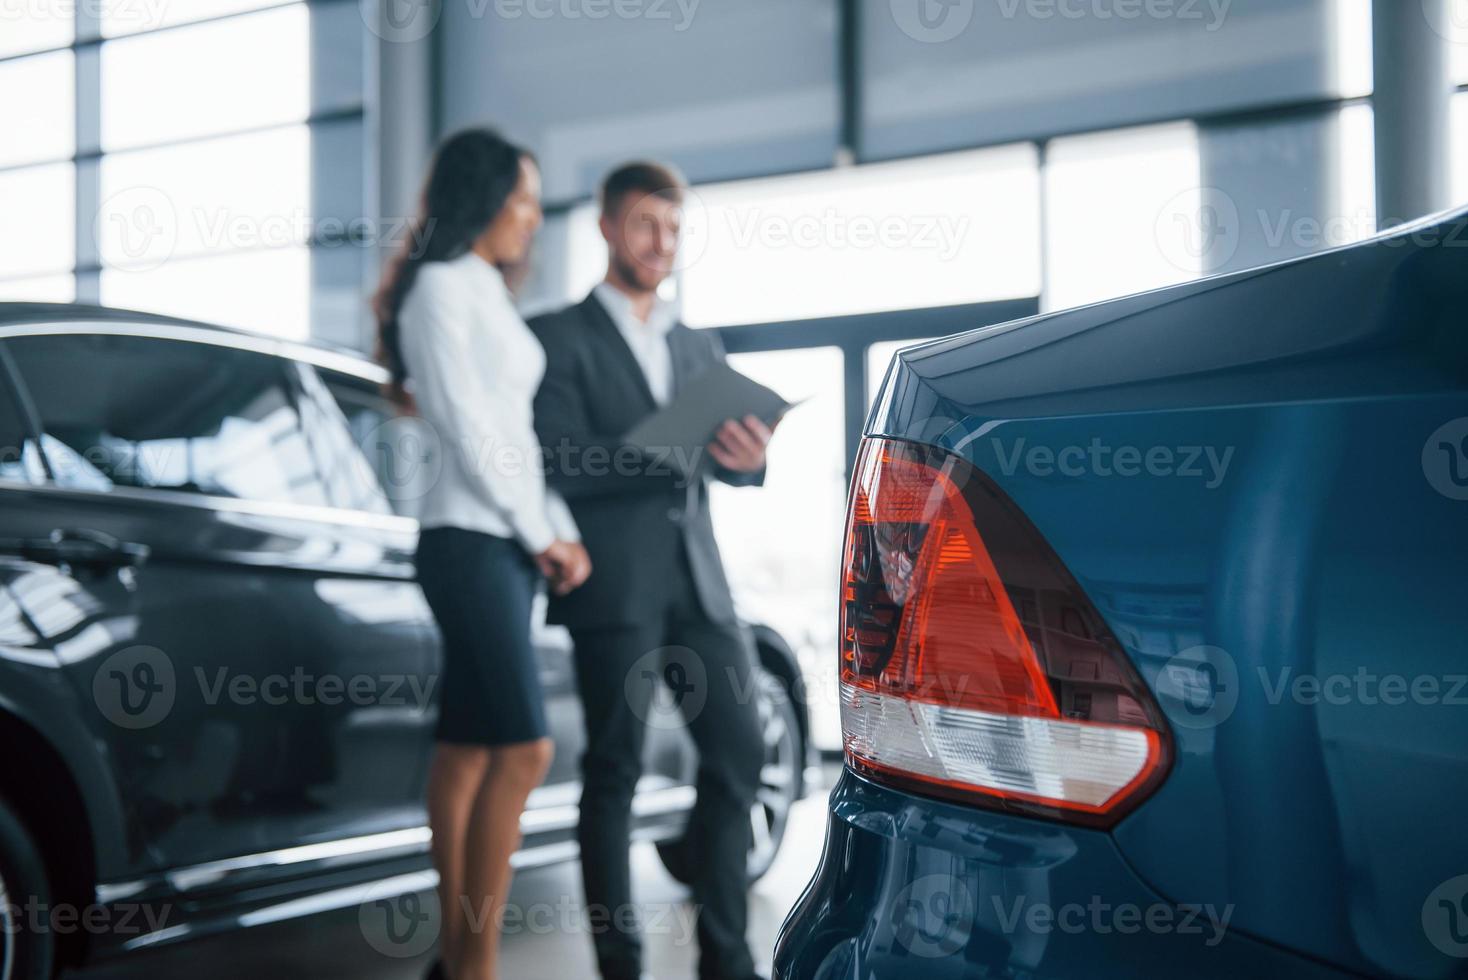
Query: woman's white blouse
{"type": "Point", "coordinates": [473, 368]}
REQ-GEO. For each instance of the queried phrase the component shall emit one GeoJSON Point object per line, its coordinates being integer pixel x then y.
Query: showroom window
{"type": "Point", "coordinates": [785, 575]}
{"type": "Point", "coordinates": [37, 176]}
{"type": "Point", "coordinates": [879, 360]}
{"type": "Point", "coordinates": [234, 198]}
{"type": "Point", "coordinates": [1122, 213]}
{"type": "Point", "coordinates": [940, 231]}
{"type": "Point", "coordinates": [1460, 148]}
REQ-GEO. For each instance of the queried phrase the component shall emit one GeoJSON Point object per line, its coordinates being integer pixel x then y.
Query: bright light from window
{"type": "Point", "coordinates": [45, 289]}
{"type": "Point", "coordinates": [1123, 213]}
{"type": "Point", "coordinates": [586, 251]}
{"type": "Point", "coordinates": [879, 358]}
{"type": "Point", "coordinates": [268, 291]}
{"type": "Point", "coordinates": [39, 209]}
{"type": "Point", "coordinates": [36, 25]}
{"type": "Point", "coordinates": [223, 195]}
{"type": "Point", "coordinates": [1460, 149]}
{"type": "Point", "coordinates": [959, 228]}
{"type": "Point", "coordinates": [782, 542]}
{"type": "Point", "coordinates": [1355, 174]}
{"type": "Point", "coordinates": [1351, 47]}
{"type": "Point", "coordinates": [242, 73]}
{"type": "Point", "coordinates": [38, 109]}
{"type": "Point", "coordinates": [133, 16]}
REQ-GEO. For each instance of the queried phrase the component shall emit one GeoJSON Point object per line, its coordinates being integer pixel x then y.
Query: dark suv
{"type": "Point", "coordinates": [216, 670]}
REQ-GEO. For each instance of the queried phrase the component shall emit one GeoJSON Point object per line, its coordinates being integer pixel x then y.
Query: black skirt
{"type": "Point", "coordinates": [481, 589]}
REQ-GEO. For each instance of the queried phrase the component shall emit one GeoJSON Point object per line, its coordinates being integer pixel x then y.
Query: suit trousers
{"type": "Point", "coordinates": [677, 669]}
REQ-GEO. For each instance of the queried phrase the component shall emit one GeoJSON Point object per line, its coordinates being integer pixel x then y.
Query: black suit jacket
{"type": "Point", "coordinates": [635, 514]}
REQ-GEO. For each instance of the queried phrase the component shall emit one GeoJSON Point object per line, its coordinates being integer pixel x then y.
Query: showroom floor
{"type": "Point", "coordinates": [551, 943]}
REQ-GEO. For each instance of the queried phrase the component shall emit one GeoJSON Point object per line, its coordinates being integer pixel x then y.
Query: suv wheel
{"type": "Point", "coordinates": [26, 943]}
{"type": "Point", "coordinates": [781, 780]}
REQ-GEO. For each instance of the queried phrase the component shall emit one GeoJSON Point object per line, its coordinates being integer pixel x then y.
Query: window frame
{"type": "Point", "coordinates": [287, 352]}
{"type": "Point", "coordinates": [19, 396]}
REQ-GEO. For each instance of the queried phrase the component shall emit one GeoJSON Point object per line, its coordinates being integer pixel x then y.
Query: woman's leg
{"type": "Point", "coordinates": [454, 779]}
{"type": "Point", "coordinates": [493, 836]}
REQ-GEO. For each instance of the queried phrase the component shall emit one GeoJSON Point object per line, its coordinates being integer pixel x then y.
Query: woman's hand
{"type": "Point", "coordinates": [565, 565]}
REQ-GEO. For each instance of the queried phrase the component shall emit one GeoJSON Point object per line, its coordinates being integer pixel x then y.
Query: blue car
{"type": "Point", "coordinates": [1154, 652]}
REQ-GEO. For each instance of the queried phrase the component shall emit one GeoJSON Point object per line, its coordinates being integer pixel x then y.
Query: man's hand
{"type": "Point", "coordinates": [740, 446]}
{"type": "Point", "coordinates": [565, 565]}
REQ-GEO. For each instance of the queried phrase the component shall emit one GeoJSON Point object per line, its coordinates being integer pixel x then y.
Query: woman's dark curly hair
{"type": "Point", "coordinates": [474, 173]}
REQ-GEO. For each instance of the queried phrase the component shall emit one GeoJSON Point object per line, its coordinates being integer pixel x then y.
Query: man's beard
{"type": "Point", "coordinates": [632, 272]}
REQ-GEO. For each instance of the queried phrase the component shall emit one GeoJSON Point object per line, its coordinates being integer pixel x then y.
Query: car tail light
{"type": "Point", "coordinates": [972, 665]}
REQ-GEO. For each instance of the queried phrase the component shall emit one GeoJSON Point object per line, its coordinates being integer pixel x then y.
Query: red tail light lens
{"type": "Point", "coordinates": [972, 665]}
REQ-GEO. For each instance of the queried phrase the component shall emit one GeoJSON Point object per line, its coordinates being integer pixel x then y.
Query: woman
{"type": "Point", "coordinates": [449, 329]}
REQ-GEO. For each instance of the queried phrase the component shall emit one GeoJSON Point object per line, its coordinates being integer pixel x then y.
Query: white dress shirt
{"type": "Point", "coordinates": [649, 341]}
{"type": "Point", "coordinates": [473, 368]}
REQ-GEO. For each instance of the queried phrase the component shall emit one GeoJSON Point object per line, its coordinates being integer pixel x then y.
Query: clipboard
{"type": "Point", "coordinates": [679, 432]}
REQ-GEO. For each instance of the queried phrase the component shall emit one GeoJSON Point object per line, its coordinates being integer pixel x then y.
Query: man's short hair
{"type": "Point", "coordinates": [641, 178]}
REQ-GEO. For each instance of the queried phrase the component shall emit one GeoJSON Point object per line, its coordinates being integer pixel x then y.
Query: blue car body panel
{"type": "Point", "coordinates": [1261, 481]}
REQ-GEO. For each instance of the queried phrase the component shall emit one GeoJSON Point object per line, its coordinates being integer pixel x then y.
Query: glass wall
{"type": "Point", "coordinates": [782, 542]}
{"type": "Point", "coordinates": [37, 176]}
{"type": "Point", "coordinates": [940, 231]}
{"type": "Point", "coordinates": [192, 158]}
{"type": "Point", "coordinates": [1460, 148]}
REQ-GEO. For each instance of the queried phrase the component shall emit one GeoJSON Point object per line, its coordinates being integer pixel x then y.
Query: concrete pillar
{"type": "Point", "coordinates": [1413, 95]}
